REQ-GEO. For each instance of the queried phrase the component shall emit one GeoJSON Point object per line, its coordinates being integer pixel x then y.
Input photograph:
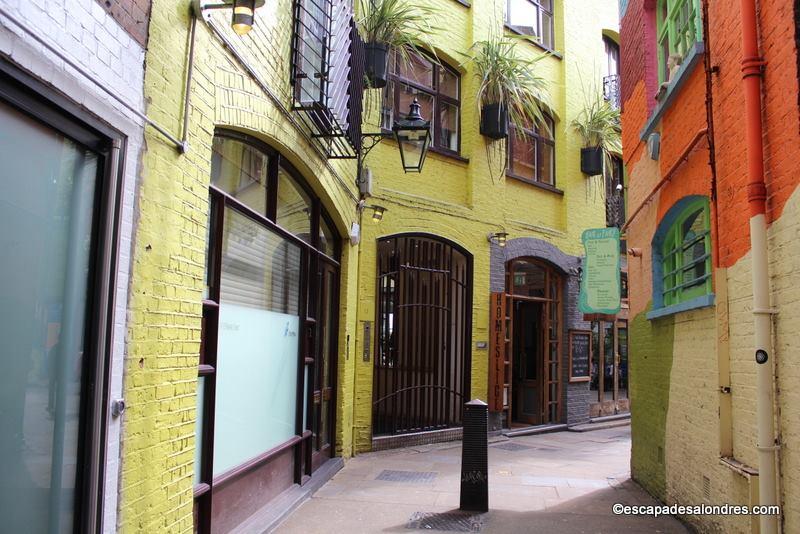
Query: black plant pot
{"type": "Point", "coordinates": [592, 160]}
{"type": "Point", "coordinates": [494, 121]}
{"type": "Point", "coordinates": [376, 60]}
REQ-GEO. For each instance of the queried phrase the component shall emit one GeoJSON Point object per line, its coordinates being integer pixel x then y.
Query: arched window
{"type": "Point", "coordinates": [267, 370]}
{"type": "Point", "coordinates": [682, 257]}
{"type": "Point", "coordinates": [436, 86]}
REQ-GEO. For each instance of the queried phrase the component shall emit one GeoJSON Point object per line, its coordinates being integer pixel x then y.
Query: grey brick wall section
{"type": "Point", "coordinates": [575, 397]}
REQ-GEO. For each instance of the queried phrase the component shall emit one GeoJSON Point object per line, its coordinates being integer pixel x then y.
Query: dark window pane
{"type": "Point", "coordinates": [547, 164]}
{"type": "Point", "coordinates": [313, 20]}
{"type": "Point", "coordinates": [523, 156]}
{"type": "Point", "coordinates": [241, 171]}
{"type": "Point", "coordinates": [418, 70]}
{"type": "Point", "coordinates": [448, 127]}
{"type": "Point", "coordinates": [294, 207]}
{"type": "Point", "coordinates": [387, 111]}
{"type": "Point", "coordinates": [327, 239]}
{"type": "Point", "coordinates": [529, 280]}
{"type": "Point", "coordinates": [448, 83]}
{"type": "Point", "coordinates": [692, 226]}
{"type": "Point", "coordinates": [407, 95]}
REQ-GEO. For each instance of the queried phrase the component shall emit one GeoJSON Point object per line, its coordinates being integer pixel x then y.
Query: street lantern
{"type": "Point", "coordinates": [413, 135]}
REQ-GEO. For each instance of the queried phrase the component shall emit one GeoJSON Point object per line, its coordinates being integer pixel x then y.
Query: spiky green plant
{"type": "Point", "coordinates": [598, 124]}
{"type": "Point", "coordinates": [509, 80]}
{"type": "Point", "coordinates": [402, 25]}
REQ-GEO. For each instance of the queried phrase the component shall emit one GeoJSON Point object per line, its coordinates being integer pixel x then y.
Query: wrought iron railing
{"type": "Point", "coordinates": [611, 89]}
{"type": "Point", "coordinates": [327, 89]}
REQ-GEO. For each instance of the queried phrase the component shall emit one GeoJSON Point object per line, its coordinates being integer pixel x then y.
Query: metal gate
{"type": "Point", "coordinates": [422, 353]}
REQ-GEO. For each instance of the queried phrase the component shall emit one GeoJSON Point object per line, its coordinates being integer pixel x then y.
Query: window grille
{"type": "Point", "coordinates": [326, 87]}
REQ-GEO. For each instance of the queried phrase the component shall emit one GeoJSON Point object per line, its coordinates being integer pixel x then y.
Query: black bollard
{"type": "Point", "coordinates": [475, 458]}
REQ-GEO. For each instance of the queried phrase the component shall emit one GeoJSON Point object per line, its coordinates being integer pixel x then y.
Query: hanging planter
{"type": "Point", "coordinates": [376, 62]}
{"type": "Point", "coordinates": [592, 160]}
{"type": "Point", "coordinates": [391, 26]}
{"type": "Point", "coordinates": [598, 126]}
{"type": "Point", "coordinates": [509, 88]}
{"type": "Point", "coordinates": [494, 121]}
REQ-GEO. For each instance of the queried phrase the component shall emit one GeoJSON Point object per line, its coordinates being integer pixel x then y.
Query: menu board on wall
{"type": "Point", "coordinates": [600, 281]}
{"type": "Point", "coordinates": [580, 355]}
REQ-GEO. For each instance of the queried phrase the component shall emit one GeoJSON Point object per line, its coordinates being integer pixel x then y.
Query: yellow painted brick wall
{"type": "Point", "coordinates": [169, 257]}
{"type": "Point", "coordinates": [456, 200]}
{"type": "Point", "coordinates": [784, 270]}
{"type": "Point", "coordinates": [692, 426]}
{"type": "Point", "coordinates": [464, 201]}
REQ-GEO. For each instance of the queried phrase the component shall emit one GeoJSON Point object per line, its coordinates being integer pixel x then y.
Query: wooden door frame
{"type": "Point", "coordinates": [548, 301]}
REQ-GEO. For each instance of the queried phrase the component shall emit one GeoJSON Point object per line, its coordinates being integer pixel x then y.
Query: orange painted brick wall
{"type": "Point", "coordinates": [780, 116]}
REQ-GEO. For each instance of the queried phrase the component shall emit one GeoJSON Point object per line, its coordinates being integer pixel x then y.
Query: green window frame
{"type": "Point", "coordinates": [679, 26]}
{"type": "Point", "coordinates": [686, 255]}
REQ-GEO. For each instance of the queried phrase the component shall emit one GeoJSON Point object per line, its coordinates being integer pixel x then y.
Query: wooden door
{"type": "Point", "coordinates": [528, 372]}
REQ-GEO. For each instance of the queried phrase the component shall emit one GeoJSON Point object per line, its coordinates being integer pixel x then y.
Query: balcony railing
{"type": "Point", "coordinates": [611, 90]}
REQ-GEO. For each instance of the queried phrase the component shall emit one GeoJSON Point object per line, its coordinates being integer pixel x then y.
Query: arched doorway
{"type": "Point", "coordinates": [534, 307]}
{"type": "Point", "coordinates": [422, 355]}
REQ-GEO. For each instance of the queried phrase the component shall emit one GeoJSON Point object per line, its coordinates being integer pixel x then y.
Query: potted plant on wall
{"type": "Point", "coordinates": [509, 88]}
{"type": "Point", "coordinates": [387, 25]}
{"type": "Point", "coordinates": [598, 125]}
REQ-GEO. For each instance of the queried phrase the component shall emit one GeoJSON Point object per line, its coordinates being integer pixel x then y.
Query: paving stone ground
{"type": "Point", "coordinates": [563, 483]}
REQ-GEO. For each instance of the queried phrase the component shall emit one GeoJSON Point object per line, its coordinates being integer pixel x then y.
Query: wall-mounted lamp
{"type": "Point", "coordinates": [377, 213]}
{"type": "Point", "coordinates": [498, 237]}
{"type": "Point", "coordinates": [243, 11]}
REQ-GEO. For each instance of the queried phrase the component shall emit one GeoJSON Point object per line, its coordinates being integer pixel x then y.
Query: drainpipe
{"type": "Point", "coordinates": [752, 65]}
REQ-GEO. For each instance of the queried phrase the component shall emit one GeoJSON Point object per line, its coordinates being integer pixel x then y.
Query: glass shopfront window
{"type": "Point", "coordinates": [53, 195]}
{"type": "Point", "coordinates": [268, 351]}
{"type": "Point", "coordinates": [259, 327]}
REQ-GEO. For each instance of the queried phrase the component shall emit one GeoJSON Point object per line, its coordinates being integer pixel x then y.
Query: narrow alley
{"type": "Point", "coordinates": [565, 482]}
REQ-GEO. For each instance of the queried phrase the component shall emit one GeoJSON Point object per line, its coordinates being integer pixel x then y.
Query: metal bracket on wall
{"type": "Point", "coordinates": [368, 142]}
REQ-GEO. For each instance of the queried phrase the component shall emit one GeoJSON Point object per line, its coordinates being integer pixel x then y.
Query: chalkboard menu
{"type": "Point", "coordinates": [580, 355]}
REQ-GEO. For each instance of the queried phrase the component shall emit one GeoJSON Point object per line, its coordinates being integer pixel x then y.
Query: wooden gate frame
{"type": "Point", "coordinates": [501, 349]}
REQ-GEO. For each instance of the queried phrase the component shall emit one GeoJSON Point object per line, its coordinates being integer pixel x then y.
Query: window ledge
{"type": "Point", "coordinates": [700, 302]}
{"type": "Point", "coordinates": [431, 149]}
{"type": "Point", "coordinates": [446, 154]}
{"type": "Point", "coordinates": [738, 467]}
{"type": "Point", "coordinates": [550, 51]}
{"type": "Point", "coordinates": [674, 87]}
{"type": "Point", "coordinates": [540, 185]}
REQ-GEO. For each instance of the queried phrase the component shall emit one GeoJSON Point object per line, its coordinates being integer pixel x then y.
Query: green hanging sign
{"type": "Point", "coordinates": [600, 284]}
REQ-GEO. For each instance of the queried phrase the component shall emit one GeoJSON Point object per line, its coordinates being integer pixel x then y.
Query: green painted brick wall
{"type": "Point", "coordinates": [650, 353]}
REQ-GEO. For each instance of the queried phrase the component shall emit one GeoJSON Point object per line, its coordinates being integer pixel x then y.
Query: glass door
{"type": "Point", "coordinates": [322, 407]}
{"type": "Point", "coordinates": [49, 188]}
